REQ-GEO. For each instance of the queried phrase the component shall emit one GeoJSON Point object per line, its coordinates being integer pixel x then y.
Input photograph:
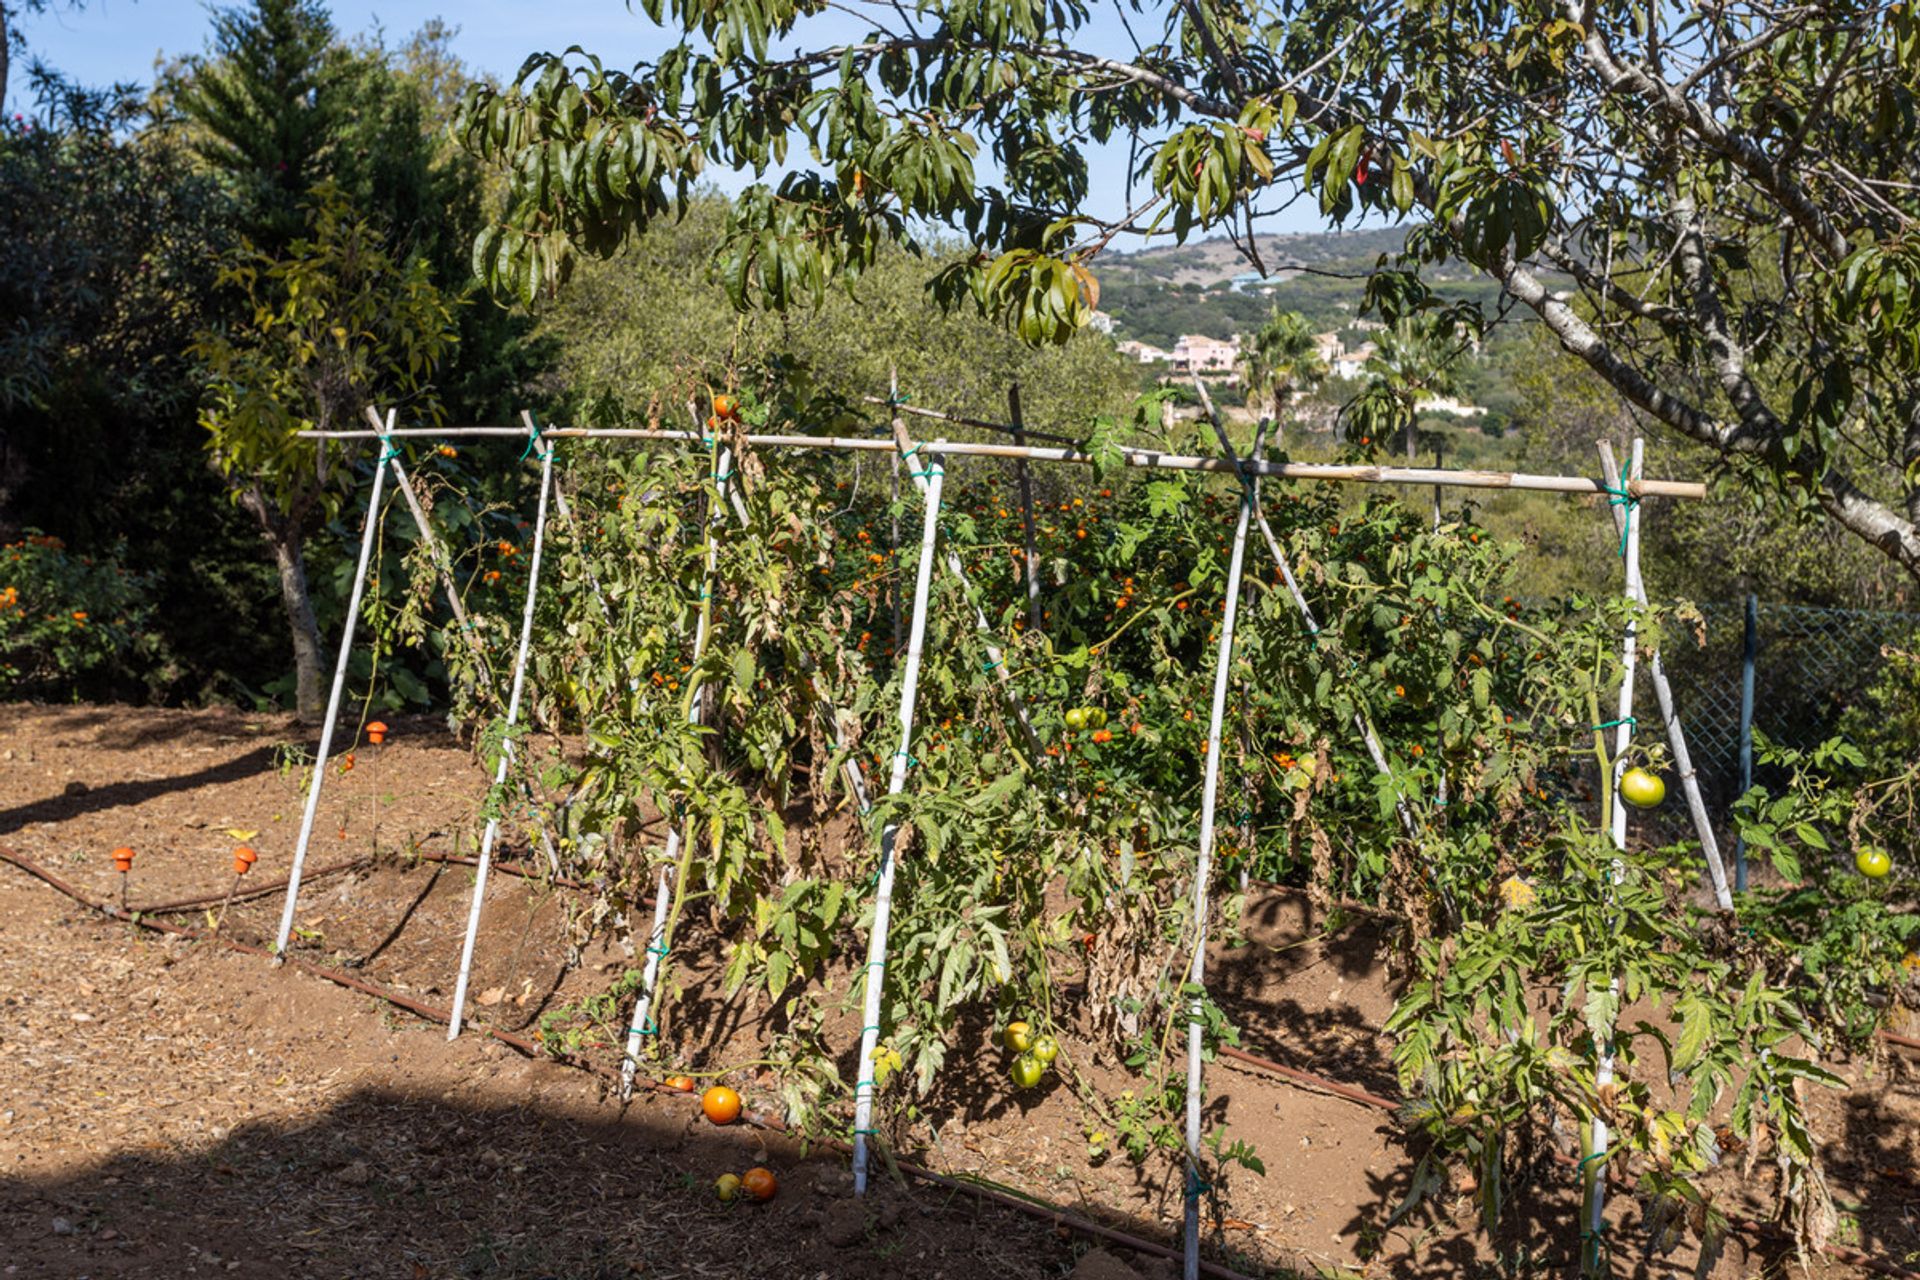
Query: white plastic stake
{"type": "Point", "coordinates": [1676, 736]}
{"type": "Point", "coordinates": [996, 660]}
{"type": "Point", "coordinates": [506, 748]}
{"type": "Point", "coordinates": [1203, 870]}
{"type": "Point", "coordinates": [1622, 739]}
{"type": "Point", "coordinates": [639, 1026]}
{"type": "Point", "coordinates": [367, 536]}
{"type": "Point", "coordinates": [876, 968]}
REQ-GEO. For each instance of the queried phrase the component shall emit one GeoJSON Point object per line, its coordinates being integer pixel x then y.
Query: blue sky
{"type": "Point", "coordinates": [116, 40]}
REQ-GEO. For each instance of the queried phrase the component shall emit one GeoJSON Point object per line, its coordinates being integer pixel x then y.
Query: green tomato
{"type": "Point", "coordinates": [1046, 1048]}
{"type": "Point", "coordinates": [1077, 719]}
{"type": "Point", "coordinates": [1019, 1037]}
{"type": "Point", "coordinates": [1873, 863]}
{"type": "Point", "coordinates": [1096, 718]}
{"type": "Point", "coordinates": [1027, 1071]}
{"type": "Point", "coordinates": [1641, 789]}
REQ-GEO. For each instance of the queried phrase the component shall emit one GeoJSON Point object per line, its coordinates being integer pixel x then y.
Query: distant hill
{"type": "Point", "coordinates": [1216, 262]}
{"type": "Point", "coordinates": [1157, 294]}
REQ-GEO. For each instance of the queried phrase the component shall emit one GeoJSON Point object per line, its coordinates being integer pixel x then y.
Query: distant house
{"type": "Point", "coordinates": [1451, 404]}
{"type": "Point", "coordinates": [1351, 364]}
{"type": "Point", "coordinates": [1100, 322]}
{"type": "Point", "coordinates": [1206, 355]}
{"type": "Point", "coordinates": [1140, 352]}
{"type": "Point", "coordinates": [1246, 280]}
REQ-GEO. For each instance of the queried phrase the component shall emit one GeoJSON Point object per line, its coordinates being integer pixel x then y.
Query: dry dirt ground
{"type": "Point", "coordinates": [169, 1107]}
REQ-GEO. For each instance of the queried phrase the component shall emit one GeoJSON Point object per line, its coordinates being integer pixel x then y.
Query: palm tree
{"type": "Point", "coordinates": [1282, 360]}
{"type": "Point", "coordinates": [1414, 360]}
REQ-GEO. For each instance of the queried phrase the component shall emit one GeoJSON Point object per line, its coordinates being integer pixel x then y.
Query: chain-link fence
{"type": "Point", "coordinates": [1810, 665]}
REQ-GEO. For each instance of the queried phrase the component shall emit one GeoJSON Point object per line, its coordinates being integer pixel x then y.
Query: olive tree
{"type": "Point", "coordinates": [1713, 207]}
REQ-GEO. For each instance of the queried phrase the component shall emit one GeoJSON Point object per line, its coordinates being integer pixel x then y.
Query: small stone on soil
{"type": "Point", "coordinates": [1098, 1264]}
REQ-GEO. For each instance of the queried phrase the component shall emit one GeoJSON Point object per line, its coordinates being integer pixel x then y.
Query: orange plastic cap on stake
{"type": "Point", "coordinates": [245, 854]}
{"type": "Point", "coordinates": [240, 866]}
{"type": "Point", "coordinates": [123, 859]}
{"type": "Point", "coordinates": [377, 732]}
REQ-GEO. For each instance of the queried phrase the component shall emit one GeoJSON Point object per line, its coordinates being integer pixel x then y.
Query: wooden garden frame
{"type": "Point", "coordinates": [1249, 471]}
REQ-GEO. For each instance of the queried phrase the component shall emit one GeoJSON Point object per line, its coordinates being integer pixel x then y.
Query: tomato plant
{"type": "Point", "coordinates": [1044, 880]}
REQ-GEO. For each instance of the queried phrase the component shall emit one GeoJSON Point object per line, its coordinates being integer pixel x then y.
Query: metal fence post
{"type": "Point", "coordinates": [1749, 651]}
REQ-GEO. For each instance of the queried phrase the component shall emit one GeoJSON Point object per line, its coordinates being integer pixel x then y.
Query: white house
{"type": "Point", "coordinates": [1207, 355]}
{"type": "Point", "coordinates": [1140, 352]}
{"type": "Point", "coordinates": [1100, 322]}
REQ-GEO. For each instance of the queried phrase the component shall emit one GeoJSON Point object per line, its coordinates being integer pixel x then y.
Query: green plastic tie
{"type": "Point", "coordinates": [929, 473]}
{"type": "Point", "coordinates": [869, 1083]}
{"type": "Point", "coordinates": [651, 1029]}
{"type": "Point", "coordinates": [1616, 723]}
{"type": "Point", "coordinates": [1621, 498]}
{"type": "Point", "coordinates": [659, 951]}
{"type": "Point", "coordinates": [1197, 1186]}
{"type": "Point", "coordinates": [909, 453]}
{"type": "Point", "coordinates": [990, 665]}
{"type": "Point", "coordinates": [911, 761]}
{"type": "Point", "coordinates": [533, 439]}
{"type": "Point", "coordinates": [388, 450]}
{"type": "Point", "coordinates": [871, 1133]}
{"type": "Point", "coordinates": [897, 399]}
{"type": "Point", "coordinates": [1587, 1160]}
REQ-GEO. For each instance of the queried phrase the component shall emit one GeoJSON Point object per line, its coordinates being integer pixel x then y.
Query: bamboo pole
{"type": "Point", "coordinates": [679, 839]}
{"type": "Point", "coordinates": [506, 747]}
{"type": "Point", "coordinates": [566, 514]}
{"type": "Point", "coordinates": [1249, 472]}
{"type": "Point", "coordinates": [1676, 736]}
{"type": "Point", "coordinates": [1593, 1237]}
{"type": "Point", "coordinates": [876, 967]}
{"type": "Point", "coordinates": [996, 660]}
{"type": "Point", "coordinates": [1132, 457]}
{"type": "Point", "coordinates": [368, 533]}
{"type": "Point", "coordinates": [1016, 428]}
{"type": "Point", "coordinates": [1203, 870]}
{"type": "Point", "coordinates": [1024, 482]}
{"type": "Point", "coordinates": [437, 553]}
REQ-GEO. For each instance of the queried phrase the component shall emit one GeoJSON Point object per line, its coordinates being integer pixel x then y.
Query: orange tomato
{"type": "Point", "coordinates": [679, 1084]}
{"type": "Point", "coordinates": [760, 1183]}
{"type": "Point", "coordinates": [726, 407]}
{"type": "Point", "coordinates": [721, 1104]}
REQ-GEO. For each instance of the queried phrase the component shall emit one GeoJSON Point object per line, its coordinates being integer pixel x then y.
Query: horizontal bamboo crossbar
{"type": "Point", "coordinates": [1132, 457]}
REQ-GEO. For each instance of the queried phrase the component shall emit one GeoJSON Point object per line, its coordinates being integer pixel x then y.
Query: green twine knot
{"type": "Point", "coordinates": [1197, 1186]}
{"type": "Point", "coordinates": [1622, 498]}
{"type": "Point", "coordinates": [388, 451]}
{"type": "Point", "coordinates": [532, 451]}
{"type": "Point", "coordinates": [929, 473]}
{"type": "Point", "coordinates": [1586, 1160]}
{"type": "Point", "coordinates": [896, 399]}
{"type": "Point", "coordinates": [651, 1029]}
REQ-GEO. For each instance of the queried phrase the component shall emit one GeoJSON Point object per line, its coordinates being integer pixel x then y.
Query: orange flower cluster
{"type": "Point", "coordinates": [9, 597]}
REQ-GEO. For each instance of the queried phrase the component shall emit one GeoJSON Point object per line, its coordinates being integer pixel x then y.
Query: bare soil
{"type": "Point", "coordinates": [169, 1107]}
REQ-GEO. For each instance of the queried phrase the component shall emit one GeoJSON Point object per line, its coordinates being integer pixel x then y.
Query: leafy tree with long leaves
{"type": "Point", "coordinates": [1731, 191]}
{"type": "Point", "coordinates": [340, 321]}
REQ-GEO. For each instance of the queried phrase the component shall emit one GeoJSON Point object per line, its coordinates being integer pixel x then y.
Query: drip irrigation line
{"type": "Point", "coordinates": [257, 891]}
{"type": "Point", "coordinates": [1033, 1207]}
{"type": "Point", "coordinates": [1311, 1081]}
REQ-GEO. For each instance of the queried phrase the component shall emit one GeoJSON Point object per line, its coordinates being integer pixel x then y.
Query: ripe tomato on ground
{"type": "Point", "coordinates": [721, 1104]}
